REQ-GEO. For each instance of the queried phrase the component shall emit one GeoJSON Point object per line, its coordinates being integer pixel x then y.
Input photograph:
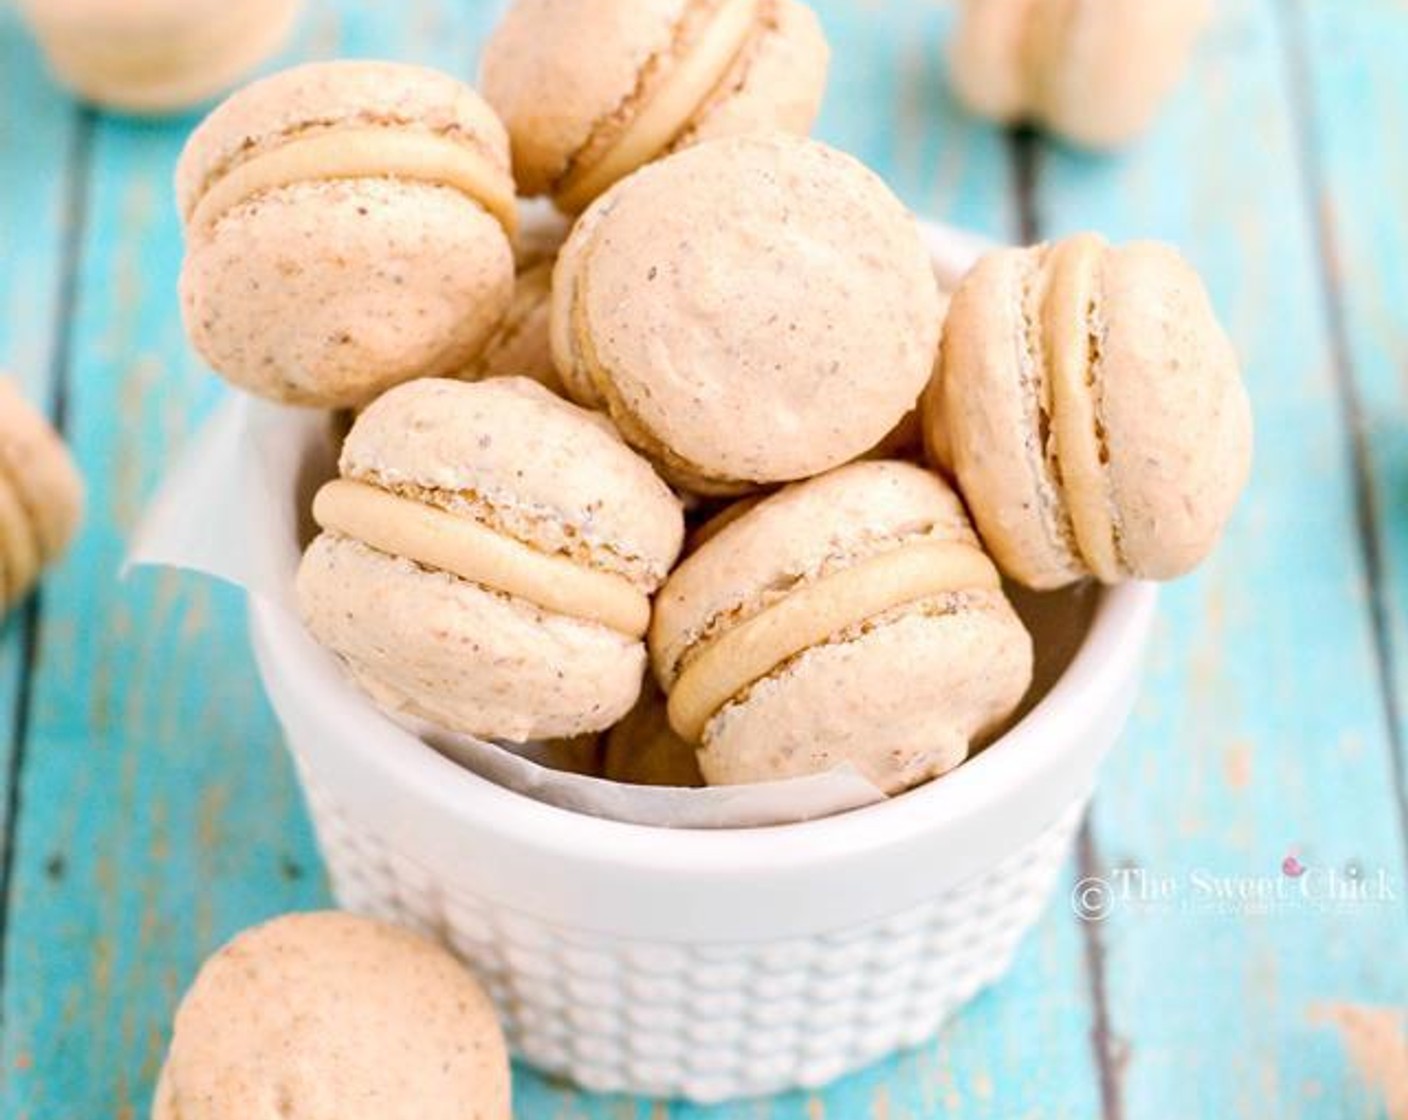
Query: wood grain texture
{"type": "Point", "coordinates": [158, 811]}
{"type": "Point", "coordinates": [1262, 732]}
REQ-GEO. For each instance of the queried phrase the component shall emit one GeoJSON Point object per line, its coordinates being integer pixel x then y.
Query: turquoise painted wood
{"type": "Point", "coordinates": [156, 810]}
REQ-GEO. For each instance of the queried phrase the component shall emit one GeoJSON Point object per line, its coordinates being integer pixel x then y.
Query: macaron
{"type": "Point", "coordinates": [1092, 410]}
{"type": "Point", "coordinates": [487, 559]}
{"type": "Point", "coordinates": [592, 89]}
{"type": "Point", "coordinates": [522, 346]}
{"type": "Point", "coordinates": [643, 749]}
{"type": "Point", "coordinates": [41, 495]}
{"type": "Point", "coordinates": [327, 1016]}
{"type": "Point", "coordinates": [852, 618]}
{"type": "Point", "coordinates": [748, 311]}
{"type": "Point", "coordinates": [156, 56]}
{"type": "Point", "coordinates": [348, 227]}
{"type": "Point", "coordinates": [1095, 74]}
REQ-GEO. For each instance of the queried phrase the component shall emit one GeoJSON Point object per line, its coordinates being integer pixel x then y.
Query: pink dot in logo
{"type": "Point", "coordinates": [1292, 867]}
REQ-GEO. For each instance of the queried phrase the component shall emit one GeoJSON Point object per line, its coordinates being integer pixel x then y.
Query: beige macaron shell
{"type": "Point", "coordinates": [555, 69]}
{"type": "Point", "coordinates": [1175, 413]}
{"type": "Point", "coordinates": [460, 655]}
{"type": "Point", "coordinates": [320, 97]}
{"type": "Point", "coordinates": [327, 293]}
{"type": "Point", "coordinates": [157, 55]}
{"type": "Point", "coordinates": [799, 534]}
{"type": "Point", "coordinates": [520, 346]}
{"type": "Point", "coordinates": [901, 698]}
{"type": "Point", "coordinates": [644, 750]}
{"type": "Point", "coordinates": [1103, 70]}
{"type": "Point", "coordinates": [544, 471]}
{"type": "Point", "coordinates": [991, 387]}
{"type": "Point", "coordinates": [758, 308]}
{"type": "Point", "coordinates": [986, 63]}
{"type": "Point", "coordinates": [325, 1016]}
{"type": "Point", "coordinates": [777, 82]}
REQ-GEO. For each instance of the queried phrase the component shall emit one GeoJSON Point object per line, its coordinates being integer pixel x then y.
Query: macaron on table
{"type": "Point", "coordinates": [1087, 419]}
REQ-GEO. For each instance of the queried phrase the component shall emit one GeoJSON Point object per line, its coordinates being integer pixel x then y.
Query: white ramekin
{"type": "Point", "coordinates": [709, 964]}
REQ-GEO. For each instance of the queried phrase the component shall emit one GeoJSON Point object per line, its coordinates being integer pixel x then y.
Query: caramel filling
{"type": "Point", "coordinates": [663, 116]}
{"type": "Point", "coordinates": [364, 153]}
{"type": "Point", "coordinates": [808, 617]}
{"type": "Point", "coordinates": [460, 546]}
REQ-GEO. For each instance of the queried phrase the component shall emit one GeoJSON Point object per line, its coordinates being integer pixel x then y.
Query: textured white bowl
{"type": "Point", "coordinates": [710, 964]}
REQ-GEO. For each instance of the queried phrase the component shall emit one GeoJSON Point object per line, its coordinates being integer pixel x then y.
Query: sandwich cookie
{"type": "Point", "coordinates": [850, 618]}
{"type": "Point", "coordinates": [487, 559]}
{"type": "Point", "coordinates": [348, 226]}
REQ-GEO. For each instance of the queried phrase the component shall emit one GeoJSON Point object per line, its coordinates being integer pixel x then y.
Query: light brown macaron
{"type": "Point", "coordinates": [749, 310]}
{"type": "Point", "coordinates": [327, 1016]}
{"type": "Point", "coordinates": [522, 344]}
{"type": "Point", "coordinates": [156, 56]}
{"type": "Point", "coordinates": [41, 495]}
{"type": "Point", "coordinates": [1094, 73]}
{"type": "Point", "coordinates": [850, 618]}
{"type": "Point", "coordinates": [1093, 411]}
{"type": "Point", "coordinates": [487, 559]}
{"type": "Point", "coordinates": [643, 749]}
{"type": "Point", "coordinates": [348, 227]}
{"type": "Point", "coordinates": [592, 89]}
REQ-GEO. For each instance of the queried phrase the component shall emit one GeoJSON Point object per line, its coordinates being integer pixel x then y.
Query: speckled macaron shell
{"type": "Point", "coordinates": [643, 749]}
{"type": "Point", "coordinates": [925, 657]}
{"type": "Point", "coordinates": [41, 495]}
{"type": "Point", "coordinates": [1094, 73]}
{"type": "Point", "coordinates": [592, 89]}
{"type": "Point", "coordinates": [1094, 413]}
{"type": "Point", "coordinates": [325, 1016]}
{"type": "Point", "coordinates": [523, 646]}
{"type": "Point", "coordinates": [156, 56]}
{"type": "Point", "coordinates": [522, 345]}
{"type": "Point", "coordinates": [749, 310]}
{"type": "Point", "coordinates": [348, 227]}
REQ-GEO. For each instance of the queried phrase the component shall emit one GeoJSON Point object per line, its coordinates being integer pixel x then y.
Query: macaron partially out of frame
{"type": "Point", "coordinates": [592, 89]}
{"type": "Point", "coordinates": [156, 56]}
{"type": "Point", "coordinates": [749, 310]}
{"type": "Point", "coordinates": [348, 227]}
{"type": "Point", "coordinates": [1094, 73]}
{"type": "Point", "coordinates": [41, 495]}
{"type": "Point", "coordinates": [327, 1016]}
{"type": "Point", "coordinates": [522, 345]}
{"type": "Point", "coordinates": [1091, 408]}
{"type": "Point", "coordinates": [487, 559]}
{"type": "Point", "coordinates": [850, 618]}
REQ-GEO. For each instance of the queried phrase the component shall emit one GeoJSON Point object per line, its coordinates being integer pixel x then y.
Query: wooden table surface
{"type": "Point", "coordinates": [149, 811]}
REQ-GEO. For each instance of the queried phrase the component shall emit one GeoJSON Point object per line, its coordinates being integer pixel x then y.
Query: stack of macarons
{"type": "Point", "coordinates": [683, 443]}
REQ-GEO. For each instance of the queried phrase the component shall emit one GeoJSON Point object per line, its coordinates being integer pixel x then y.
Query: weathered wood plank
{"type": "Point", "coordinates": [1262, 731]}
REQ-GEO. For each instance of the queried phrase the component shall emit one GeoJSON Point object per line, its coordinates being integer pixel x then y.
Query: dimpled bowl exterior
{"type": "Point", "coordinates": [708, 965]}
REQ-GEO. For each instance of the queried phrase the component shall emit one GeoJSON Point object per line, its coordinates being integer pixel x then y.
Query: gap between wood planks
{"type": "Point", "coordinates": [77, 169]}
{"type": "Point", "coordinates": [1294, 48]}
{"type": "Point", "coordinates": [1110, 1051]}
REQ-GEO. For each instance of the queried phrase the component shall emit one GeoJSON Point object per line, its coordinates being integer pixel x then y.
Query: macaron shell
{"type": "Point", "coordinates": [644, 750]}
{"type": "Point", "coordinates": [761, 307]}
{"type": "Point", "coordinates": [1176, 416]}
{"type": "Point", "coordinates": [461, 656]}
{"type": "Point", "coordinates": [325, 1016]}
{"type": "Point", "coordinates": [328, 293]}
{"type": "Point", "coordinates": [799, 534]}
{"type": "Point", "coordinates": [550, 474]}
{"type": "Point", "coordinates": [985, 57]}
{"type": "Point", "coordinates": [521, 346]}
{"type": "Point", "coordinates": [901, 698]}
{"type": "Point", "coordinates": [555, 69]}
{"type": "Point", "coordinates": [323, 96]}
{"type": "Point", "coordinates": [776, 84]}
{"type": "Point", "coordinates": [991, 398]}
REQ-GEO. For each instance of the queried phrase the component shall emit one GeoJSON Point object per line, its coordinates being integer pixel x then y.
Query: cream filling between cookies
{"type": "Point", "coordinates": [812, 614]}
{"type": "Point", "coordinates": [660, 117]}
{"type": "Point", "coordinates": [363, 153]}
{"type": "Point", "coordinates": [1076, 335]}
{"type": "Point", "coordinates": [459, 546]}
